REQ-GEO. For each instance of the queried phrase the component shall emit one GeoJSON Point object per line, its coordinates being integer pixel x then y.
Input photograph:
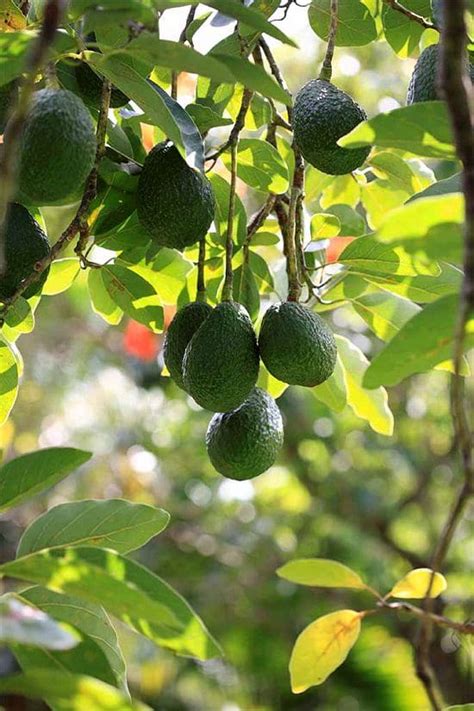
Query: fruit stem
{"type": "Point", "coordinates": [326, 70]}
{"type": "Point", "coordinates": [290, 236]}
{"type": "Point", "coordinates": [201, 284]}
{"type": "Point", "coordinates": [228, 289]}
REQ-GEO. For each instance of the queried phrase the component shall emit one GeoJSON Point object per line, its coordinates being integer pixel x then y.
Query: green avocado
{"type": "Point", "coordinates": [322, 114]}
{"type": "Point", "coordinates": [175, 203]}
{"type": "Point", "coordinates": [437, 12]}
{"type": "Point", "coordinates": [220, 365]}
{"type": "Point", "coordinates": [58, 148]}
{"type": "Point", "coordinates": [244, 443]}
{"type": "Point", "coordinates": [181, 329]}
{"type": "Point", "coordinates": [8, 94]}
{"type": "Point", "coordinates": [25, 244]}
{"type": "Point", "coordinates": [423, 83]}
{"type": "Point", "coordinates": [296, 345]}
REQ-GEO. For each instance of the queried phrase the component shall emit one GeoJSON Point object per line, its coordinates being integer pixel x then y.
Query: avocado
{"type": "Point", "coordinates": [180, 331]}
{"type": "Point", "coordinates": [423, 83]}
{"type": "Point", "coordinates": [8, 95]}
{"type": "Point", "coordinates": [25, 244]}
{"type": "Point", "coordinates": [245, 442]}
{"type": "Point", "coordinates": [220, 365]}
{"type": "Point", "coordinates": [296, 345]}
{"type": "Point", "coordinates": [58, 148]}
{"type": "Point", "coordinates": [437, 12]}
{"type": "Point", "coordinates": [322, 114]}
{"type": "Point", "coordinates": [175, 203]}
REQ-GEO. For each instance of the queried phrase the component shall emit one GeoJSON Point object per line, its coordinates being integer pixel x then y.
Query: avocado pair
{"type": "Point", "coordinates": [213, 354]}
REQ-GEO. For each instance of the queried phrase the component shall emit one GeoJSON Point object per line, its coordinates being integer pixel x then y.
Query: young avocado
{"type": "Point", "coordinates": [58, 148]}
{"type": "Point", "coordinates": [175, 203]}
{"type": "Point", "coordinates": [244, 443]}
{"type": "Point", "coordinates": [296, 345]}
{"type": "Point", "coordinates": [424, 80]}
{"type": "Point", "coordinates": [220, 365]}
{"type": "Point", "coordinates": [25, 244]}
{"type": "Point", "coordinates": [180, 331]}
{"type": "Point", "coordinates": [322, 114]}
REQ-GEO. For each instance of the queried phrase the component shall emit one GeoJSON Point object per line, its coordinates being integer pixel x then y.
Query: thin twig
{"type": "Point", "coordinates": [395, 5]}
{"type": "Point", "coordinates": [228, 288]}
{"type": "Point", "coordinates": [290, 236]}
{"type": "Point", "coordinates": [326, 69]}
{"type": "Point", "coordinates": [182, 39]}
{"type": "Point", "coordinates": [35, 62]}
{"type": "Point", "coordinates": [439, 620]}
{"type": "Point", "coordinates": [201, 283]}
{"type": "Point", "coordinates": [236, 128]}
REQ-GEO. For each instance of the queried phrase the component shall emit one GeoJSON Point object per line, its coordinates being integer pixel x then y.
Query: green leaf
{"type": "Point", "coordinates": [384, 313]}
{"type": "Point", "coordinates": [333, 391]}
{"type": "Point", "coordinates": [25, 476]}
{"type": "Point", "coordinates": [370, 406]}
{"type": "Point", "coordinates": [416, 583]}
{"type": "Point", "coordinates": [322, 647]}
{"type": "Point", "coordinates": [322, 573]}
{"type": "Point", "coordinates": [98, 652]}
{"type": "Point", "coordinates": [433, 225]}
{"type": "Point", "coordinates": [441, 187]}
{"type": "Point", "coordinates": [101, 302]}
{"type": "Point", "coordinates": [8, 380]}
{"type": "Point", "coordinates": [402, 34]}
{"type": "Point", "coordinates": [423, 129]}
{"type": "Point", "coordinates": [254, 77]}
{"type": "Point", "coordinates": [133, 295]}
{"type": "Point", "coordinates": [13, 49]}
{"type": "Point", "coordinates": [356, 26]}
{"type": "Point", "coordinates": [423, 342]}
{"type": "Point", "coordinates": [69, 692]}
{"type": "Point", "coordinates": [267, 382]}
{"type": "Point", "coordinates": [339, 189]}
{"type": "Point", "coordinates": [366, 255]}
{"type": "Point", "coordinates": [260, 166]}
{"type": "Point", "coordinates": [61, 276]}
{"type": "Point", "coordinates": [23, 624]}
{"type": "Point", "coordinates": [126, 589]}
{"type": "Point", "coordinates": [324, 225]}
{"type": "Point", "coordinates": [246, 15]}
{"type": "Point", "coordinates": [18, 319]}
{"type": "Point", "coordinates": [421, 289]}
{"type": "Point", "coordinates": [205, 118]}
{"type": "Point", "coordinates": [246, 290]}
{"type": "Point", "coordinates": [221, 193]}
{"type": "Point", "coordinates": [117, 524]}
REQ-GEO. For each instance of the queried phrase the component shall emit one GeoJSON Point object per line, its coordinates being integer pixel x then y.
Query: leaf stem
{"type": "Point", "coordinates": [326, 69]}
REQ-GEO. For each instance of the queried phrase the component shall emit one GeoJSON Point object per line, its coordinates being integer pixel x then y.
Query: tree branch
{"type": "Point", "coordinates": [439, 620]}
{"type": "Point", "coordinates": [395, 5]}
{"type": "Point", "coordinates": [228, 288]}
{"type": "Point", "coordinates": [326, 69]}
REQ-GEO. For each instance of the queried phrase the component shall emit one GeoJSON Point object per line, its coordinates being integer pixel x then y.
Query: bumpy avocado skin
{"type": "Point", "coordinates": [25, 244]}
{"type": "Point", "coordinates": [57, 148]}
{"type": "Point", "coordinates": [174, 202]}
{"type": "Point", "coordinates": [181, 329]}
{"type": "Point", "coordinates": [322, 114]}
{"type": "Point", "coordinates": [244, 443]}
{"type": "Point", "coordinates": [296, 345]}
{"type": "Point", "coordinates": [437, 12]}
{"type": "Point", "coordinates": [220, 365]}
{"type": "Point", "coordinates": [423, 83]}
{"type": "Point", "coordinates": [8, 93]}
{"type": "Point", "coordinates": [90, 86]}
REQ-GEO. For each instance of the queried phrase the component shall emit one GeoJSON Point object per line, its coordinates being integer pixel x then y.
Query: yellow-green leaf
{"type": "Point", "coordinates": [322, 647]}
{"type": "Point", "coordinates": [320, 572]}
{"type": "Point", "coordinates": [11, 17]}
{"type": "Point", "coordinates": [416, 583]}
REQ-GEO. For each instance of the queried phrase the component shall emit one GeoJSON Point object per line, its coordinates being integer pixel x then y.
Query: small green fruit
{"type": "Point", "coordinates": [220, 365]}
{"type": "Point", "coordinates": [424, 81]}
{"type": "Point", "coordinates": [244, 443]}
{"type": "Point", "coordinates": [181, 329]}
{"type": "Point", "coordinates": [296, 345]}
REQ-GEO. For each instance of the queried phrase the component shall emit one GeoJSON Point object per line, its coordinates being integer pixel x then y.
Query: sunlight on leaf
{"type": "Point", "coordinates": [319, 572]}
{"type": "Point", "coordinates": [416, 583]}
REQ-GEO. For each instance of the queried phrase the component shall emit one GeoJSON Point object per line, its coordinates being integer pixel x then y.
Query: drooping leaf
{"type": "Point", "coordinates": [246, 290]}
{"type": "Point", "coordinates": [384, 313]}
{"type": "Point", "coordinates": [25, 476]}
{"type": "Point", "coordinates": [61, 275]}
{"type": "Point", "coordinates": [422, 343]}
{"type": "Point", "coordinates": [69, 692]}
{"type": "Point", "coordinates": [320, 572]}
{"type": "Point", "coordinates": [416, 583]}
{"type": "Point", "coordinates": [100, 300]}
{"type": "Point", "coordinates": [18, 319]}
{"type": "Point", "coordinates": [402, 34]}
{"type": "Point", "coordinates": [134, 295]}
{"type": "Point", "coordinates": [356, 26]}
{"type": "Point", "coordinates": [260, 166]}
{"type": "Point", "coordinates": [423, 129]}
{"type": "Point", "coordinates": [115, 523]}
{"type": "Point", "coordinates": [24, 624]}
{"type": "Point", "coordinates": [322, 647]}
{"type": "Point", "coordinates": [370, 406]}
{"type": "Point", "coordinates": [126, 589]}
{"type": "Point", "coordinates": [222, 192]}
{"type": "Point", "coordinates": [333, 391]}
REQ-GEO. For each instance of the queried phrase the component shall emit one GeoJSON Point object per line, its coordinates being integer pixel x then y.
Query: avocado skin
{"type": "Point", "coordinates": [8, 94]}
{"type": "Point", "coordinates": [25, 244]}
{"type": "Point", "coordinates": [90, 86]}
{"type": "Point", "coordinates": [423, 83]}
{"type": "Point", "coordinates": [437, 12]}
{"type": "Point", "coordinates": [244, 443]}
{"type": "Point", "coordinates": [58, 147]}
{"type": "Point", "coordinates": [220, 365]}
{"type": "Point", "coordinates": [175, 203]}
{"type": "Point", "coordinates": [322, 114]}
{"type": "Point", "coordinates": [296, 345]}
{"type": "Point", "coordinates": [180, 331]}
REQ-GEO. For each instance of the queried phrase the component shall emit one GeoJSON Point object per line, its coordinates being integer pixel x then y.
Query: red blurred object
{"type": "Point", "coordinates": [336, 246]}
{"type": "Point", "coordinates": [140, 342]}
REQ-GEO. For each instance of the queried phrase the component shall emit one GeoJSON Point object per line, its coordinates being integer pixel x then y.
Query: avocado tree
{"type": "Point", "coordinates": [195, 184]}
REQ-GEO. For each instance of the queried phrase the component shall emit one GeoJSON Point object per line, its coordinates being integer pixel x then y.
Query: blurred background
{"type": "Point", "coordinates": [339, 490]}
